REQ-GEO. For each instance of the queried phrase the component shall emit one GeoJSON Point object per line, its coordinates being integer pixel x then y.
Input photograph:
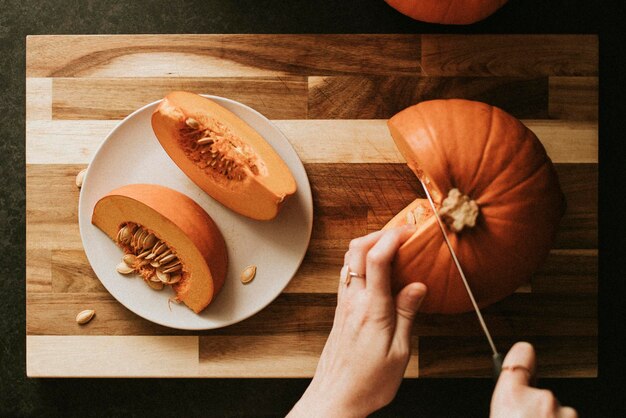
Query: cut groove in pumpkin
{"type": "Point", "coordinates": [223, 155]}
{"type": "Point", "coordinates": [167, 238]}
{"type": "Point", "coordinates": [495, 188]}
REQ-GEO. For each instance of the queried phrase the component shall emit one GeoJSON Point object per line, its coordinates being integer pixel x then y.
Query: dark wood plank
{"type": "Point", "coordinates": [565, 283]}
{"type": "Point", "coordinates": [115, 98]}
{"type": "Point", "coordinates": [510, 55]}
{"type": "Point", "coordinates": [385, 189]}
{"type": "Point", "coordinates": [379, 97]}
{"type": "Point", "coordinates": [520, 315]}
{"type": "Point", "coordinates": [562, 356]}
{"type": "Point", "coordinates": [574, 98]}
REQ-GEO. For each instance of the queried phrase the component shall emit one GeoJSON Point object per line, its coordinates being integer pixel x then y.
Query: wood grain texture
{"type": "Point", "coordinates": [107, 356]}
{"type": "Point", "coordinates": [331, 96]}
{"type": "Point", "coordinates": [470, 356]}
{"type": "Point", "coordinates": [292, 355]}
{"type": "Point", "coordinates": [114, 98]}
{"type": "Point", "coordinates": [371, 193]}
{"type": "Point", "coordinates": [315, 141]}
{"type": "Point", "coordinates": [220, 55]}
{"type": "Point", "coordinates": [510, 55]}
{"type": "Point", "coordinates": [39, 99]}
{"type": "Point", "coordinates": [574, 98]}
{"type": "Point", "coordinates": [380, 97]}
{"type": "Point", "coordinates": [519, 315]}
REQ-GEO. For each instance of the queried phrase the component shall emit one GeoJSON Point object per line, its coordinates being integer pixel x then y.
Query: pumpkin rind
{"type": "Point", "coordinates": [494, 159]}
{"type": "Point", "coordinates": [182, 224]}
{"type": "Point", "coordinates": [258, 191]}
{"type": "Point", "coordinates": [452, 12]}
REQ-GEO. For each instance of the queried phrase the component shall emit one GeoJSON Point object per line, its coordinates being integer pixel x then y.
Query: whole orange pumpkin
{"type": "Point", "coordinates": [451, 12]}
{"type": "Point", "coordinates": [494, 186]}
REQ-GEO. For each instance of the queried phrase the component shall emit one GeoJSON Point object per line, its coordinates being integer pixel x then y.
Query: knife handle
{"type": "Point", "coordinates": [497, 365]}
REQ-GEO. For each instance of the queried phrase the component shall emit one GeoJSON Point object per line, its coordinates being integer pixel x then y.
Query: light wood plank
{"type": "Point", "coordinates": [38, 99]}
{"type": "Point", "coordinates": [115, 98]}
{"type": "Point", "coordinates": [315, 141]}
{"type": "Point", "coordinates": [574, 98]}
{"type": "Point", "coordinates": [220, 55]}
{"type": "Point", "coordinates": [510, 55]}
{"type": "Point", "coordinates": [65, 142]}
{"type": "Point", "coordinates": [111, 356]}
{"type": "Point", "coordinates": [268, 356]}
{"type": "Point", "coordinates": [378, 97]}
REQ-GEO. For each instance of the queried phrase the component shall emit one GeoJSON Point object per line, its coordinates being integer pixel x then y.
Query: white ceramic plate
{"type": "Point", "coordinates": [132, 154]}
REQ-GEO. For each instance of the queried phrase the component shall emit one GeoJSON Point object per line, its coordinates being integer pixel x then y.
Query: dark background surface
{"type": "Point", "coordinates": [20, 396]}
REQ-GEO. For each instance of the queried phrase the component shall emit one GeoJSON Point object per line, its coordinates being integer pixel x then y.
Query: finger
{"type": "Point", "coordinates": [342, 286]}
{"type": "Point", "coordinates": [359, 248]}
{"type": "Point", "coordinates": [379, 258]}
{"type": "Point", "coordinates": [408, 302]}
{"type": "Point", "coordinates": [521, 354]}
{"type": "Point", "coordinates": [567, 412]}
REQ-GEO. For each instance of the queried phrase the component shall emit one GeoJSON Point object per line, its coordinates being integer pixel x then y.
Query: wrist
{"type": "Point", "coordinates": [316, 402]}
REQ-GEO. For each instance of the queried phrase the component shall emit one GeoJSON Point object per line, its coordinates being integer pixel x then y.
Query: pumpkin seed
{"type": "Point", "coordinates": [192, 123]}
{"type": "Point", "coordinates": [144, 254]}
{"type": "Point", "coordinates": [85, 316]}
{"type": "Point", "coordinates": [204, 140]}
{"type": "Point", "coordinates": [155, 285]}
{"type": "Point", "coordinates": [175, 278]}
{"type": "Point", "coordinates": [167, 258]}
{"type": "Point", "coordinates": [149, 241]}
{"type": "Point", "coordinates": [173, 268]}
{"type": "Point", "coordinates": [163, 254]}
{"type": "Point", "coordinates": [248, 274]}
{"type": "Point", "coordinates": [124, 268]}
{"type": "Point", "coordinates": [162, 276]}
{"type": "Point", "coordinates": [80, 178]}
{"type": "Point", "coordinates": [129, 259]}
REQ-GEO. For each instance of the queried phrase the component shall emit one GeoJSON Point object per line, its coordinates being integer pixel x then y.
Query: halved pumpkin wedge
{"type": "Point", "coordinates": [223, 155]}
{"type": "Point", "coordinates": [167, 238]}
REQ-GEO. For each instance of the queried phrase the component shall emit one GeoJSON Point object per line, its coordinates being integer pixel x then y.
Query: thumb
{"type": "Point", "coordinates": [408, 302]}
{"type": "Point", "coordinates": [518, 367]}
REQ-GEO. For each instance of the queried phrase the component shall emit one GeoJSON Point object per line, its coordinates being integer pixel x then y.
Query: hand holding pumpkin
{"type": "Point", "coordinates": [370, 338]}
{"type": "Point", "coordinates": [513, 396]}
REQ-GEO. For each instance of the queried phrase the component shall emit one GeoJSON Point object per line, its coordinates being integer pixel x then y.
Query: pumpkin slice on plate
{"type": "Point", "coordinates": [223, 155]}
{"type": "Point", "coordinates": [494, 187]}
{"type": "Point", "coordinates": [450, 12]}
{"type": "Point", "coordinates": [167, 238]}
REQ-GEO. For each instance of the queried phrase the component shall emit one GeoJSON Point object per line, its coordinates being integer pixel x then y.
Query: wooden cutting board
{"type": "Point", "coordinates": [331, 96]}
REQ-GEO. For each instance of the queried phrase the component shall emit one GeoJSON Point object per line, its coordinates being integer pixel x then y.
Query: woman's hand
{"type": "Point", "coordinates": [513, 396]}
{"type": "Point", "coordinates": [368, 348]}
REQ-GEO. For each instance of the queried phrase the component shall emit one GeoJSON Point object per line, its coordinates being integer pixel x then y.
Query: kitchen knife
{"type": "Point", "coordinates": [496, 357]}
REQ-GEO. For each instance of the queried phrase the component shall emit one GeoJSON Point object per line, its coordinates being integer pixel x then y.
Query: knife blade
{"type": "Point", "coordinates": [496, 357]}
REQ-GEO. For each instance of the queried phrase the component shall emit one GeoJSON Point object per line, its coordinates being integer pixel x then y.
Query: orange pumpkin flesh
{"type": "Point", "coordinates": [452, 12]}
{"type": "Point", "coordinates": [181, 223]}
{"type": "Point", "coordinates": [223, 155]}
{"type": "Point", "coordinates": [499, 163]}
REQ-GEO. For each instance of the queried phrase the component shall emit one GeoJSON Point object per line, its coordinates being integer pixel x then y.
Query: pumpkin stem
{"type": "Point", "coordinates": [458, 211]}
